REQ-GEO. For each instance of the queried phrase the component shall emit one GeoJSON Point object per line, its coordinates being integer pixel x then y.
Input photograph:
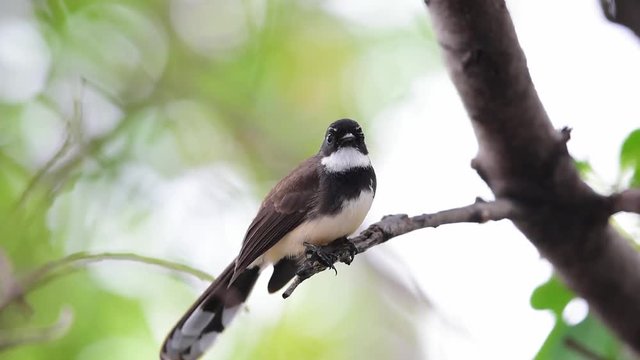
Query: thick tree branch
{"type": "Point", "coordinates": [521, 157]}
{"type": "Point", "coordinates": [627, 201]}
{"type": "Point", "coordinates": [395, 225]}
{"type": "Point", "coordinates": [623, 12]}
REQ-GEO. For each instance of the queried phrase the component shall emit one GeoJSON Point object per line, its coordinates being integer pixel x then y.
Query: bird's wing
{"type": "Point", "coordinates": [287, 205]}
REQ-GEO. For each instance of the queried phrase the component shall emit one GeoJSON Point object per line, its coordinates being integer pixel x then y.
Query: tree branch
{"type": "Point", "coordinates": [33, 336]}
{"type": "Point", "coordinates": [521, 157]}
{"type": "Point", "coordinates": [395, 225]}
{"type": "Point", "coordinates": [627, 201]}
{"type": "Point", "coordinates": [623, 12]}
{"type": "Point", "coordinates": [80, 260]}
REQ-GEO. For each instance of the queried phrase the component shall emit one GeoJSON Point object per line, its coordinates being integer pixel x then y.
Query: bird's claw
{"type": "Point", "coordinates": [322, 254]}
{"type": "Point", "coordinates": [351, 248]}
{"type": "Point", "coordinates": [327, 255]}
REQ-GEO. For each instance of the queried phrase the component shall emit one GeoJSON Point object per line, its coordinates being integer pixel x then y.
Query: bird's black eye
{"type": "Point", "coordinates": [359, 133]}
{"type": "Point", "coordinates": [330, 138]}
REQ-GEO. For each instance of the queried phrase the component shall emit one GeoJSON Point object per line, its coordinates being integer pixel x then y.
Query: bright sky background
{"type": "Point", "coordinates": [480, 278]}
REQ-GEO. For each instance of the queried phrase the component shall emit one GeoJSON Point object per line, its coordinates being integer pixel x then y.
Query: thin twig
{"type": "Point", "coordinates": [76, 118]}
{"type": "Point", "coordinates": [76, 261]}
{"type": "Point", "coordinates": [39, 176]}
{"type": "Point", "coordinates": [395, 225]}
{"type": "Point", "coordinates": [32, 336]}
{"type": "Point", "coordinates": [9, 285]}
{"type": "Point", "coordinates": [7, 278]}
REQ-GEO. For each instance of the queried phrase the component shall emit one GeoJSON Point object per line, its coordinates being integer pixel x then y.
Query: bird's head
{"type": "Point", "coordinates": [343, 147]}
{"type": "Point", "coordinates": [343, 133]}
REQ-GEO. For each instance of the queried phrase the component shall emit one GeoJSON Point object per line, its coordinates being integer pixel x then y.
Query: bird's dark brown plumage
{"type": "Point", "coordinates": [281, 212]}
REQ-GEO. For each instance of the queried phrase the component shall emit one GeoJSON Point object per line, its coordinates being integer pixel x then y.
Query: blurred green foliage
{"type": "Point", "coordinates": [140, 92]}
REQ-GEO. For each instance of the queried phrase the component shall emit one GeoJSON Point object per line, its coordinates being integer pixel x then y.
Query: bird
{"type": "Point", "coordinates": [320, 202]}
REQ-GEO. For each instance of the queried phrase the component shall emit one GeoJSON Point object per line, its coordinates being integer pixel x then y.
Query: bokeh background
{"type": "Point", "coordinates": [138, 137]}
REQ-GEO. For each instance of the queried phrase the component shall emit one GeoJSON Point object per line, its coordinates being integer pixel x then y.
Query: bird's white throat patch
{"type": "Point", "coordinates": [345, 159]}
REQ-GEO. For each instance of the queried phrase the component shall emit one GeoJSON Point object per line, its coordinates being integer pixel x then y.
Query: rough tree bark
{"type": "Point", "coordinates": [522, 158]}
{"type": "Point", "coordinates": [525, 162]}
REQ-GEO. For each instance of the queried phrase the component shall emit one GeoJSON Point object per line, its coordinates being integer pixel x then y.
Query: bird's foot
{"type": "Point", "coordinates": [328, 255]}
{"type": "Point", "coordinates": [321, 254]}
{"type": "Point", "coordinates": [345, 245]}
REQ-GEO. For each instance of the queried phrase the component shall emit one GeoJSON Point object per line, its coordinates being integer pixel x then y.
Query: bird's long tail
{"type": "Point", "coordinates": [209, 315]}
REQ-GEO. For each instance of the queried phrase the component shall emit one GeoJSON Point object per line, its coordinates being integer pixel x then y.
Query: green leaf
{"type": "Point", "coordinates": [552, 295]}
{"type": "Point", "coordinates": [630, 152]}
{"type": "Point", "coordinates": [630, 156]}
{"type": "Point", "coordinates": [573, 342]}
{"type": "Point", "coordinates": [569, 342]}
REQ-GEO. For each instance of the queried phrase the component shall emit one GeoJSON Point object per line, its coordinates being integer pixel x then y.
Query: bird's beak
{"type": "Point", "coordinates": [347, 138]}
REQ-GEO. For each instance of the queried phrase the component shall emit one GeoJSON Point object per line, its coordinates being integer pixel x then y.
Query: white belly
{"type": "Point", "coordinates": [322, 230]}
